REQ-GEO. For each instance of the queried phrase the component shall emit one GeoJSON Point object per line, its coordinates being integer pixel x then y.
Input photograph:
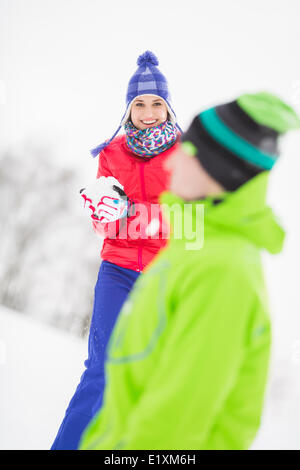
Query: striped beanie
{"type": "Point", "coordinates": [147, 80]}
{"type": "Point", "coordinates": [237, 140]}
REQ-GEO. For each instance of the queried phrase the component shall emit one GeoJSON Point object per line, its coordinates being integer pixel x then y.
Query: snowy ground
{"type": "Point", "coordinates": [40, 368]}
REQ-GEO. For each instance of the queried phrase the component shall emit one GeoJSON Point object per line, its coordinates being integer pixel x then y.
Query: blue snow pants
{"type": "Point", "coordinates": [113, 285]}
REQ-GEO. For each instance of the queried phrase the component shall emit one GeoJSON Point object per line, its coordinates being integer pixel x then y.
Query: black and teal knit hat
{"type": "Point", "coordinates": [237, 140]}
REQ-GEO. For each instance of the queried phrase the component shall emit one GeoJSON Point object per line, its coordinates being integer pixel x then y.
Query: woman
{"type": "Point", "coordinates": [131, 174]}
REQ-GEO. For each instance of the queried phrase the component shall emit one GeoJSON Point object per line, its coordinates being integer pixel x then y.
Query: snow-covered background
{"type": "Point", "coordinates": [40, 368]}
{"type": "Point", "coordinates": [64, 69]}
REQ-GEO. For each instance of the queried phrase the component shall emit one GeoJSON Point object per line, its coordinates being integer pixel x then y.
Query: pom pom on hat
{"type": "Point", "coordinates": [147, 58]}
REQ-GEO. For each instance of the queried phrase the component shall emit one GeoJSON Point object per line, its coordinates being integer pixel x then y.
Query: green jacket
{"type": "Point", "coordinates": [188, 359]}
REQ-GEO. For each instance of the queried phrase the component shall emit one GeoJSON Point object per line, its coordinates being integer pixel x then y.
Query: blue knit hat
{"type": "Point", "coordinates": [147, 80]}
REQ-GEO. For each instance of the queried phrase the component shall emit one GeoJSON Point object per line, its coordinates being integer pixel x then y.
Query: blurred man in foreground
{"type": "Point", "coordinates": [188, 360]}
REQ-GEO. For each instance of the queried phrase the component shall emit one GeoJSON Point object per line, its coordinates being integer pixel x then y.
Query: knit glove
{"type": "Point", "coordinates": [107, 200]}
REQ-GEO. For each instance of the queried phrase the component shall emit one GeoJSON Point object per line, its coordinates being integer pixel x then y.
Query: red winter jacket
{"type": "Point", "coordinates": [144, 179]}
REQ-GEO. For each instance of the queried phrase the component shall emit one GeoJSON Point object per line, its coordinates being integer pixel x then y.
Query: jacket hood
{"type": "Point", "coordinates": [243, 211]}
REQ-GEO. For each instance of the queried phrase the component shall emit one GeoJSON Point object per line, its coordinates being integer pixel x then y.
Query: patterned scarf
{"type": "Point", "coordinates": [151, 141]}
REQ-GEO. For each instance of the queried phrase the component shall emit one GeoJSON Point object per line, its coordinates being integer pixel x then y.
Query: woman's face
{"type": "Point", "coordinates": [148, 111]}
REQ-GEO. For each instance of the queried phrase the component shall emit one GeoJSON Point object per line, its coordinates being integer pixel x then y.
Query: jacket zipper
{"type": "Point", "coordinates": [140, 249]}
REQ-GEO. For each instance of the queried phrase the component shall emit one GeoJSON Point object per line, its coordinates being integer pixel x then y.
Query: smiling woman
{"type": "Point", "coordinates": [148, 111]}
{"type": "Point", "coordinates": [135, 160]}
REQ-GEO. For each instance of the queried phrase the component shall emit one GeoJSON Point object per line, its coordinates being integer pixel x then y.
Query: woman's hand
{"type": "Point", "coordinates": [106, 199]}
